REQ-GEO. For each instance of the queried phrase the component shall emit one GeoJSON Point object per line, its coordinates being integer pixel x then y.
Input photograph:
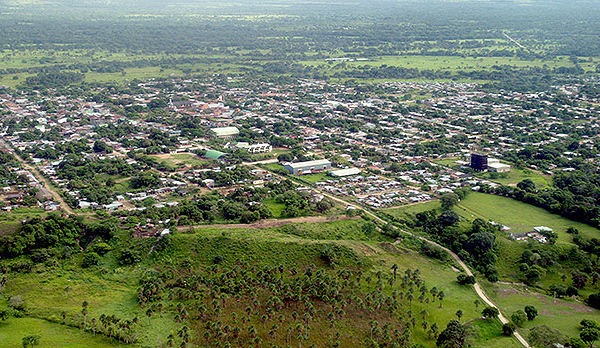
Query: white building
{"type": "Point", "coordinates": [255, 148]}
{"type": "Point", "coordinates": [307, 167]}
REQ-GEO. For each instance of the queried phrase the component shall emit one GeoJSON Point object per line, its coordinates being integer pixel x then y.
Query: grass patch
{"type": "Point", "coordinates": [563, 315]}
{"type": "Point", "coordinates": [52, 335]}
{"type": "Point", "coordinates": [275, 207]}
{"type": "Point", "coordinates": [519, 216]}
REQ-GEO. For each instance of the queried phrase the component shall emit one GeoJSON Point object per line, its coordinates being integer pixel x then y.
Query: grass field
{"type": "Point", "coordinates": [275, 207]}
{"type": "Point", "coordinates": [520, 217]}
{"type": "Point", "coordinates": [517, 175]}
{"type": "Point", "coordinates": [174, 161]}
{"type": "Point", "coordinates": [563, 315]}
{"type": "Point", "coordinates": [52, 335]}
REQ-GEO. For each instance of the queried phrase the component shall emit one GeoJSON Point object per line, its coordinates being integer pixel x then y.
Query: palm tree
{"type": "Point", "coordinates": [395, 270]}
{"type": "Point", "coordinates": [441, 296]}
{"type": "Point", "coordinates": [459, 314]}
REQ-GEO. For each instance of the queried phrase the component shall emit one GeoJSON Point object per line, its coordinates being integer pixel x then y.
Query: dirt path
{"type": "Point", "coordinates": [64, 206]}
{"type": "Point", "coordinates": [273, 222]}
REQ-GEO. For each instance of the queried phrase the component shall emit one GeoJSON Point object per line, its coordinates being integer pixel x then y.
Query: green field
{"type": "Point", "coordinates": [520, 217]}
{"type": "Point", "coordinates": [517, 175]}
{"type": "Point", "coordinates": [563, 315]}
{"type": "Point", "coordinates": [52, 335]}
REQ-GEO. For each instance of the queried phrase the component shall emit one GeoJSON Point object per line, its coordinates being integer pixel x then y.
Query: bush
{"type": "Point", "coordinates": [464, 279]}
{"type": "Point", "coordinates": [90, 259]}
{"type": "Point", "coordinates": [101, 248]}
{"type": "Point", "coordinates": [128, 257]}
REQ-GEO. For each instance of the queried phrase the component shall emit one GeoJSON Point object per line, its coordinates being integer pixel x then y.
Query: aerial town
{"type": "Point", "coordinates": [153, 145]}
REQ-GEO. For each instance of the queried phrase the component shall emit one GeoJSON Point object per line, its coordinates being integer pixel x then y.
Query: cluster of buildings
{"type": "Point", "coordinates": [367, 133]}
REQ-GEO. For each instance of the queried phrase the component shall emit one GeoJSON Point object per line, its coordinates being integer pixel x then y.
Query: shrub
{"type": "Point", "coordinates": [90, 259]}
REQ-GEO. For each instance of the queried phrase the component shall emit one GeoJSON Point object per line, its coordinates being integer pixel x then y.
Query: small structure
{"type": "Point", "coordinates": [225, 132]}
{"type": "Point", "coordinates": [307, 167]}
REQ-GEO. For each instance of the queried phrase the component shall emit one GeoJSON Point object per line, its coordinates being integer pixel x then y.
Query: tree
{"type": "Point", "coordinates": [490, 313]}
{"type": "Point", "coordinates": [576, 342]}
{"type": "Point", "coordinates": [594, 300]}
{"type": "Point", "coordinates": [508, 329]}
{"type": "Point", "coordinates": [449, 200]}
{"type": "Point", "coordinates": [543, 336]}
{"type": "Point", "coordinates": [455, 335]}
{"type": "Point", "coordinates": [459, 314]}
{"type": "Point", "coordinates": [519, 318]}
{"type": "Point", "coordinates": [534, 274]}
{"type": "Point", "coordinates": [531, 312]}
{"type": "Point", "coordinates": [527, 185]}
{"type": "Point", "coordinates": [590, 335]}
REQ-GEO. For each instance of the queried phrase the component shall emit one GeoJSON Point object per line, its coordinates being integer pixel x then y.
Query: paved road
{"type": "Point", "coordinates": [478, 290]}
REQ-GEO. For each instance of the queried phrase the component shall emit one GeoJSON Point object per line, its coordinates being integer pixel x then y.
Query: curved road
{"type": "Point", "coordinates": [478, 290]}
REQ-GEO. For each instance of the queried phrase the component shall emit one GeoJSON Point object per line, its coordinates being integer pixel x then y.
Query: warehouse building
{"type": "Point", "coordinates": [307, 167]}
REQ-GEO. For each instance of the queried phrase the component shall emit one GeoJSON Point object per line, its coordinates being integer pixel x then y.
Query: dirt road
{"type": "Point", "coordinates": [63, 205]}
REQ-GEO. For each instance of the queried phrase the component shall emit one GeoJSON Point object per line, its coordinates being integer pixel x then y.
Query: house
{"type": "Point", "coordinates": [307, 167]}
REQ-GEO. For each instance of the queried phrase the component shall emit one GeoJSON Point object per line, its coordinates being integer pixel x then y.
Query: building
{"type": "Point", "coordinates": [255, 148]}
{"type": "Point", "coordinates": [498, 167]}
{"type": "Point", "coordinates": [225, 132]}
{"type": "Point", "coordinates": [345, 172]}
{"type": "Point", "coordinates": [479, 162]}
{"type": "Point", "coordinates": [307, 167]}
{"type": "Point", "coordinates": [214, 154]}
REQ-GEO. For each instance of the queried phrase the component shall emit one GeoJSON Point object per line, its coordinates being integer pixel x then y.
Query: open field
{"type": "Point", "coordinates": [517, 175]}
{"type": "Point", "coordinates": [52, 335]}
{"type": "Point", "coordinates": [178, 160]}
{"type": "Point", "coordinates": [563, 315]}
{"type": "Point", "coordinates": [451, 63]}
{"type": "Point", "coordinates": [520, 217]}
